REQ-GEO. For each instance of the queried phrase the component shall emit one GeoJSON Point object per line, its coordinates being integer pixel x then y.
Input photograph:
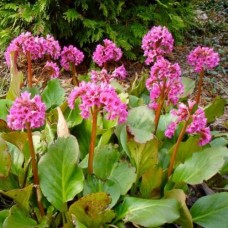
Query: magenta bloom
{"type": "Point", "coordinates": [100, 76]}
{"type": "Point", "coordinates": [157, 42]}
{"type": "Point", "coordinates": [108, 52]}
{"type": "Point", "coordinates": [26, 110]}
{"type": "Point", "coordinates": [197, 122]}
{"type": "Point", "coordinates": [202, 58]}
{"type": "Point", "coordinates": [120, 72]}
{"type": "Point", "coordinates": [164, 82]}
{"type": "Point", "coordinates": [25, 43]}
{"type": "Point", "coordinates": [51, 46]}
{"type": "Point", "coordinates": [52, 68]}
{"type": "Point", "coordinates": [103, 96]}
{"type": "Point", "coordinates": [71, 55]}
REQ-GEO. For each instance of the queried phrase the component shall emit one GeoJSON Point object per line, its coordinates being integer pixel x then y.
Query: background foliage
{"type": "Point", "coordinates": [86, 22]}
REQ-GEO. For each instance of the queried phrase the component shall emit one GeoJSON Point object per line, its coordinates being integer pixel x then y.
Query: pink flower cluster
{"type": "Point", "coordinates": [100, 95]}
{"type": "Point", "coordinates": [157, 42]}
{"type": "Point", "coordinates": [52, 68]}
{"type": "Point", "coordinates": [107, 52]}
{"type": "Point", "coordinates": [202, 58]}
{"type": "Point", "coordinates": [104, 76]}
{"type": "Point", "coordinates": [36, 46]}
{"type": "Point", "coordinates": [164, 82]}
{"type": "Point", "coordinates": [197, 122]}
{"type": "Point", "coordinates": [26, 110]}
{"type": "Point", "coordinates": [71, 55]}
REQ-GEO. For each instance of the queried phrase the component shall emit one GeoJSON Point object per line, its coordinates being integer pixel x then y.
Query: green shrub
{"type": "Point", "coordinates": [87, 22]}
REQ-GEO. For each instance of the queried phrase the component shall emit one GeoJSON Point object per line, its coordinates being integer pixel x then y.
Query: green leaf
{"type": "Point", "coordinates": [151, 182]}
{"type": "Point", "coordinates": [138, 85]}
{"type": "Point", "coordinates": [189, 86]}
{"type": "Point", "coordinates": [8, 183]}
{"type": "Point", "coordinates": [119, 172]}
{"type": "Point", "coordinates": [140, 123]}
{"type": "Point", "coordinates": [60, 178]}
{"type": "Point", "coordinates": [186, 149]}
{"type": "Point", "coordinates": [104, 160]}
{"type": "Point", "coordinates": [20, 196]}
{"type": "Point", "coordinates": [216, 109]}
{"type": "Point", "coordinates": [143, 156]}
{"type": "Point", "coordinates": [16, 79]}
{"type": "Point", "coordinates": [148, 213]}
{"type": "Point", "coordinates": [211, 211]}
{"type": "Point", "coordinates": [185, 219]}
{"type": "Point", "coordinates": [53, 94]}
{"type": "Point", "coordinates": [18, 218]}
{"type": "Point", "coordinates": [201, 166]}
{"type": "Point", "coordinates": [92, 210]}
{"type": "Point", "coordinates": [73, 117]}
{"type": "Point", "coordinates": [3, 215]}
{"type": "Point", "coordinates": [5, 159]}
{"type": "Point", "coordinates": [4, 107]}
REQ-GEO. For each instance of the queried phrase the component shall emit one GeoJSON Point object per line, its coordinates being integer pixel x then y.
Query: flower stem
{"type": "Point", "coordinates": [176, 147]}
{"type": "Point", "coordinates": [35, 170]}
{"type": "Point", "coordinates": [105, 66]}
{"type": "Point", "coordinates": [28, 55]}
{"type": "Point", "coordinates": [158, 114]}
{"type": "Point", "coordinates": [92, 139]}
{"type": "Point", "coordinates": [199, 87]}
{"type": "Point", "coordinates": [74, 75]}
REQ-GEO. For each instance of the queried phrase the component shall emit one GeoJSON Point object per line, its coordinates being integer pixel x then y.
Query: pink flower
{"type": "Point", "coordinates": [100, 76]}
{"type": "Point", "coordinates": [196, 122]}
{"type": "Point", "coordinates": [71, 55]}
{"type": "Point", "coordinates": [120, 72]}
{"type": "Point", "coordinates": [53, 69]}
{"type": "Point", "coordinates": [202, 58]}
{"type": "Point", "coordinates": [103, 96]}
{"type": "Point", "coordinates": [156, 43]}
{"type": "Point", "coordinates": [164, 82]}
{"type": "Point", "coordinates": [51, 46]}
{"type": "Point", "coordinates": [26, 110]}
{"type": "Point", "coordinates": [108, 52]}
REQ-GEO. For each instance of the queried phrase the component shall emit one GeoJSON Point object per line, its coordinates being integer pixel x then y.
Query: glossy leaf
{"type": "Point", "coordinates": [148, 213]}
{"type": "Point", "coordinates": [211, 211]}
{"type": "Point", "coordinates": [216, 109]}
{"type": "Point", "coordinates": [143, 156]}
{"type": "Point", "coordinates": [5, 159]}
{"type": "Point", "coordinates": [4, 107]}
{"type": "Point", "coordinates": [189, 86]}
{"type": "Point", "coordinates": [16, 79]}
{"type": "Point", "coordinates": [20, 196]}
{"type": "Point", "coordinates": [185, 219]}
{"type": "Point", "coordinates": [18, 218]}
{"type": "Point", "coordinates": [53, 94]}
{"type": "Point", "coordinates": [3, 215]}
{"type": "Point", "coordinates": [151, 182]}
{"type": "Point", "coordinates": [60, 178]}
{"type": "Point", "coordinates": [92, 210]}
{"type": "Point", "coordinates": [125, 175]}
{"type": "Point", "coordinates": [104, 160]}
{"type": "Point", "coordinates": [140, 123]}
{"type": "Point", "coordinates": [201, 166]}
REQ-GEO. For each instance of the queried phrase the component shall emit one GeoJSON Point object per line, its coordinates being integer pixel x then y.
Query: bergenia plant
{"type": "Point", "coordinates": [202, 58]}
{"type": "Point", "coordinates": [164, 85]}
{"type": "Point", "coordinates": [70, 58]}
{"type": "Point", "coordinates": [103, 75]}
{"type": "Point", "coordinates": [106, 53]}
{"type": "Point", "coordinates": [194, 123]}
{"type": "Point", "coordinates": [156, 43]}
{"type": "Point", "coordinates": [52, 68]}
{"type": "Point", "coordinates": [29, 113]}
{"type": "Point", "coordinates": [96, 98]}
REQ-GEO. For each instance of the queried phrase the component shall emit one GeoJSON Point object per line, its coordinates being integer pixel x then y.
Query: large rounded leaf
{"type": "Point", "coordinates": [140, 123]}
{"type": "Point", "coordinates": [60, 178]}
{"type": "Point", "coordinates": [211, 211]}
{"type": "Point", "coordinates": [5, 159]}
{"type": "Point", "coordinates": [201, 166]}
{"type": "Point", "coordinates": [148, 213]}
